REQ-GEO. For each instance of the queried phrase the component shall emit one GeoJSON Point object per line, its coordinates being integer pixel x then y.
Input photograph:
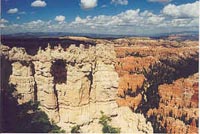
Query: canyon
{"type": "Point", "coordinates": [144, 85]}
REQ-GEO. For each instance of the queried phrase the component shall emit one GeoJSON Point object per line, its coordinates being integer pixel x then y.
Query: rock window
{"type": "Point", "coordinates": [59, 71]}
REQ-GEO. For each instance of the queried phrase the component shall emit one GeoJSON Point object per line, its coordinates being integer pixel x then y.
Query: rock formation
{"type": "Point", "coordinates": [178, 107]}
{"type": "Point", "coordinates": [135, 58]}
{"type": "Point", "coordinates": [73, 86]}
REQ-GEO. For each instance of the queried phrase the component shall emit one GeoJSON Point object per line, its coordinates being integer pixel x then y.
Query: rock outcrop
{"type": "Point", "coordinates": [73, 86]}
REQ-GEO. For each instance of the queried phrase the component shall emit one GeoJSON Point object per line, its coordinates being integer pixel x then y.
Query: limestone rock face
{"type": "Point", "coordinates": [128, 121]}
{"type": "Point", "coordinates": [105, 83]}
{"type": "Point", "coordinates": [22, 77]}
{"type": "Point", "coordinates": [74, 85]}
{"type": "Point", "coordinates": [131, 122]}
{"type": "Point", "coordinates": [46, 90]}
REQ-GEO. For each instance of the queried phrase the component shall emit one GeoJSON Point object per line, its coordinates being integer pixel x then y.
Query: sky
{"type": "Point", "coordinates": [120, 17]}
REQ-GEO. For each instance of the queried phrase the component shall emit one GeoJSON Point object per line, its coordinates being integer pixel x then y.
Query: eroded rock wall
{"type": "Point", "coordinates": [73, 86]}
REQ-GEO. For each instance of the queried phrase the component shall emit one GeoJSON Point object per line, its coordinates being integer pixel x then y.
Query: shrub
{"type": "Point", "coordinates": [75, 129]}
{"type": "Point", "coordinates": [106, 127]}
{"type": "Point", "coordinates": [56, 129]}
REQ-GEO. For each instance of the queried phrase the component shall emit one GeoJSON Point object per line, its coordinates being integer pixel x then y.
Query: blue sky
{"type": "Point", "coordinates": [100, 16]}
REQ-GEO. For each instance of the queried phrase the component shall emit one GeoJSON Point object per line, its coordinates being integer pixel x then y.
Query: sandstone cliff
{"type": "Point", "coordinates": [73, 85]}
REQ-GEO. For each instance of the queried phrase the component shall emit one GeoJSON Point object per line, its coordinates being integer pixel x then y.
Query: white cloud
{"type": "Point", "coordinates": [12, 11]}
{"type": "Point", "coordinates": [34, 23]}
{"type": "Point", "coordinates": [60, 18]}
{"type": "Point", "coordinates": [120, 2]}
{"type": "Point", "coordinates": [78, 20]}
{"type": "Point", "coordinates": [38, 3]}
{"type": "Point", "coordinates": [2, 26]}
{"type": "Point", "coordinates": [190, 10]}
{"type": "Point", "coordinates": [160, 1]}
{"type": "Point", "coordinates": [135, 22]}
{"type": "Point", "coordinates": [128, 22]}
{"type": "Point", "coordinates": [17, 17]}
{"type": "Point", "coordinates": [32, 26]}
{"type": "Point", "coordinates": [2, 20]}
{"type": "Point", "coordinates": [127, 18]}
{"type": "Point", "coordinates": [88, 4]}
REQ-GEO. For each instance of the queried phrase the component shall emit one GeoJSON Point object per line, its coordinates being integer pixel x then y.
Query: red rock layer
{"type": "Point", "coordinates": [178, 107]}
{"type": "Point", "coordinates": [129, 90]}
{"type": "Point", "coordinates": [131, 82]}
{"type": "Point", "coordinates": [130, 64]}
